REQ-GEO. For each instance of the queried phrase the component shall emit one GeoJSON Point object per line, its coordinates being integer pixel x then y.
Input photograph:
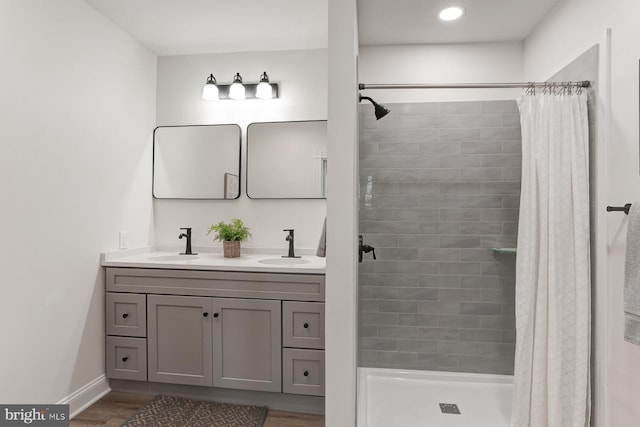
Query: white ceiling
{"type": "Point", "coordinates": [416, 21]}
{"type": "Point", "coordinates": [182, 27]}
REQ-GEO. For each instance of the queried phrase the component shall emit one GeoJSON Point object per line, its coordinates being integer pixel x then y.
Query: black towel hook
{"type": "Point", "coordinates": [624, 208]}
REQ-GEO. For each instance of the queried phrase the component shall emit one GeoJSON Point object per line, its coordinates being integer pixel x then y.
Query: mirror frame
{"type": "Point", "coordinates": [246, 189]}
{"type": "Point", "coordinates": [153, 164]}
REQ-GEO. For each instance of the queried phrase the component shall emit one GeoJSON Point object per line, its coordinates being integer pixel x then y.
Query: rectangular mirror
{"type": "Point", "coordinates": [287, 160]}
{"type": "Point", "coordinates": [196, 162]}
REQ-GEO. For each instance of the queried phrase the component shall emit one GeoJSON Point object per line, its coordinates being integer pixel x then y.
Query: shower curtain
{"type": "Point", "coordinates": [551, 378]}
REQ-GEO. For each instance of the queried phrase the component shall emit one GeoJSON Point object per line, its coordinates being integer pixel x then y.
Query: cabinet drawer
{"type": "Point", "coordinates": [223, 284]}
{"type": "Point", "coordinates": [126, 314]}
{"type": "Point", "coordinates": [303, 371]}
{"type": "Point", "coordinates": [303, 324]}
{"type": "Point", "coordinates": [127, 358]}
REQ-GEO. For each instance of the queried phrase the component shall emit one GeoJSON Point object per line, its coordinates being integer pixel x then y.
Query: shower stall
{"type": "Point", "coordinates": [439, 199]}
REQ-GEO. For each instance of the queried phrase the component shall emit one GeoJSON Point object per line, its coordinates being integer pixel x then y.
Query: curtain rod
{"type": "Point", "coordinates": [584, 83]}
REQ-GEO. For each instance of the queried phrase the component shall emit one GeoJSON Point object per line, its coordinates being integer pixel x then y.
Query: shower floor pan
{"type": "Point", "coordinates": [391, 397]}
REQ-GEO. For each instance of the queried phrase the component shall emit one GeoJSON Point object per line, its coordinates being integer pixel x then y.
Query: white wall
{"type": "Point", "coordinates": [445, 63]}
{"type": "Point", "coordinates": [342, 266]}
{"type": "Point", "coordinates": [77, 109]}
{"type": "Point", "coordinates": [302, 76]}
{"type": "Point", "coordinates": [573, 27]}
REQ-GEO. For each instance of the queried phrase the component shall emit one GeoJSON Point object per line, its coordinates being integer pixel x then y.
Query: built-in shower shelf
{"type": "Point", "coordinates": [503, 250]}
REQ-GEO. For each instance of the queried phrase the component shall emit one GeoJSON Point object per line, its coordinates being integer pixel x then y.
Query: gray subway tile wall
{"type": "Point", "coordinates": [440, 183]}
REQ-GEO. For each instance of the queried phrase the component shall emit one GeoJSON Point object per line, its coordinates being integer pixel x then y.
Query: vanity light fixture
{"type": "Point", "coordinates": [210, 91]}
{"type": "Point", "coordinates": [451, 13]}
{"type": "Point", "coordinates": [239, 90]}
{"type": "Point", "coordinates": [264, 89]}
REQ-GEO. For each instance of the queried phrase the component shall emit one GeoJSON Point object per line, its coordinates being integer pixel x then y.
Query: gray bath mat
{"type": "Point", "coordinates": [167, 411]}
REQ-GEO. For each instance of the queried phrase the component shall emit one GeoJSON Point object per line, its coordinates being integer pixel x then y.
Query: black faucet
{"type": "Point", "coordinates": [187, 250]}
{"type": "Point", "coordinates": [289, 239]}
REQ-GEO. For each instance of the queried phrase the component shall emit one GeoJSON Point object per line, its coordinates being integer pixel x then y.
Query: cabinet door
{"type": "Point", "coordinates": [247, 337]}
{"type": "Point", "coordinates": [179, 339]}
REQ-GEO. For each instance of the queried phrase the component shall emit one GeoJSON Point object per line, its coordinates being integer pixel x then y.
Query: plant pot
{"type": "Point", "coordinates": [231, 249]}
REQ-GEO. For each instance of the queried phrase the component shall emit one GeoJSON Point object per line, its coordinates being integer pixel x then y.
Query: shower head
{"type": "Point", "coordinates": [379, 110]}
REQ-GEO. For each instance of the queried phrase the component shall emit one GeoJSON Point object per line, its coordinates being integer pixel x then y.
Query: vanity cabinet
{"type": "Point", "coordinates": [248, 331]}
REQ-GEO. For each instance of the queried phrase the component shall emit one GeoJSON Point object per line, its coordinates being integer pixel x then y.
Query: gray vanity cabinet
{"type": "Point", "coordinates": [247, 344]}
{"type": "Point", "coordinates": [179, 340]}
{"type": "Point", "coordinates": [239, 330]}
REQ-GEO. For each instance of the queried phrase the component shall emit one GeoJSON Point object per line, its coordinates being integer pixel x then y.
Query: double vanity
{"type": "Point", "coordinates": [253, 323]}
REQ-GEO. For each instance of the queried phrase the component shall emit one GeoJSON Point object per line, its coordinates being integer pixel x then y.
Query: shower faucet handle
{"type": "Point", "coordinates": [365, 249]}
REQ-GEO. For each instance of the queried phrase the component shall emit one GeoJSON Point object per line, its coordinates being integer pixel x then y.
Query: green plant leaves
{"type": "Point", "coordinates": [230, 232]}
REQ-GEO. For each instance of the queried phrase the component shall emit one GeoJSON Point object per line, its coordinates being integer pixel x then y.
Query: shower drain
{"type": "Point", "coordinates": [449, 408]}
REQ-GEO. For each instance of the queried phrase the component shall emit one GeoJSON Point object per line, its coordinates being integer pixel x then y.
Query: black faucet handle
{"type": "Point", "coordinates": [364, 249]}
{"type": "Point", "coordinates": [369, 248]}
{"type": "Point", "coordinates": [289, 239]}
{"type": "Point", "coordinates": [187, 229]}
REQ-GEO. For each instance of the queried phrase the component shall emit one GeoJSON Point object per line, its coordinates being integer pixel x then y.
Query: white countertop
{"type": "Point", "coordinates": [250, 262]}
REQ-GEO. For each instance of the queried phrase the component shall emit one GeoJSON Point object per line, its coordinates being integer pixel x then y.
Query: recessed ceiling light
{"type": "Point", "coordinates": [451, 13]}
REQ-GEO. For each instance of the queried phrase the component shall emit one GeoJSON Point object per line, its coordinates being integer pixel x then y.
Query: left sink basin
{"type": "Point", "coordinates": [173, 258]}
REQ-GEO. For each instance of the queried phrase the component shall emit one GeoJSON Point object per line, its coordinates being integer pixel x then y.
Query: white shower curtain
{"type": "Point", "coordinates": [551, 378]}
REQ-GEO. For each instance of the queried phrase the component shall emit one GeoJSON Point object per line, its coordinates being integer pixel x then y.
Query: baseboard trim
{"type": "Point", "coordinates": [86, 396]}
{"type": "Point", "coordinates": [279, 401]}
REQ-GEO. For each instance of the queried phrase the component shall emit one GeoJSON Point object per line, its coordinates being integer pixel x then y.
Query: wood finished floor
{"type": "Point", "coordinates": [116, 407]}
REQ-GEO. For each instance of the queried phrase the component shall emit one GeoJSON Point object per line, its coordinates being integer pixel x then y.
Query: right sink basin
{"type": "Point", "coordinates": [283, 261]}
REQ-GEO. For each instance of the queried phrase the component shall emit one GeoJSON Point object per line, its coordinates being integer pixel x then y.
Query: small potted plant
{"type": "Point", "coordinates": [230, 234]}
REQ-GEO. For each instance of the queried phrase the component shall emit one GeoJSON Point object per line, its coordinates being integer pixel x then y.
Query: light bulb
{"type": "Point", "coordinates": [236, 91]}
{"type": "Point", "coordinates": [210, 90]}
{"type": "Point", "coordinates": [264, 89]}
{"type": "Point", "coordinates": [451, 13]}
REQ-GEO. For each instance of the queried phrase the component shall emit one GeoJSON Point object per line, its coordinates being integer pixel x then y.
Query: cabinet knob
{"type": "Point", "coordinates": [306, 326]}
{"type": "Point", "coordinates": [125, 315]}
{"type": "Point", "coordinates": [205, 314]}
{"type": "Point", "coordinates": [124, 359]}
{"type": "Point", "coordinates": [216, 314]}
{"type": "Point", "coordinates": [305, 373]}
